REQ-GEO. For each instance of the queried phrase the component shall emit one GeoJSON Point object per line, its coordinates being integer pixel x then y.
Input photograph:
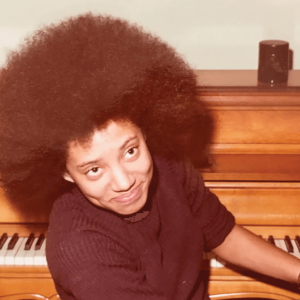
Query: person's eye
{"type": "Point", "coordinates": [94, 171]}
{"type": "Point", "coordinates": [131, 152]}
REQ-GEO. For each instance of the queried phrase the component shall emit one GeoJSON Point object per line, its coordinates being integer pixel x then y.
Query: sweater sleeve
{"type": "Point", "coordinates": [98, 268]}
{"type": "Point", "coordinates": [216, 221]}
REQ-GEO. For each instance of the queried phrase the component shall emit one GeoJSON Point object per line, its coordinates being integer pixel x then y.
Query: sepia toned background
{"type": "Point", "coordinates": [215, 34]}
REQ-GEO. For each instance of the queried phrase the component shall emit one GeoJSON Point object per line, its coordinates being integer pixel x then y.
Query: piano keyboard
{"type": "Point", "coordinates": [287, 244]}
{"type": "Point", "coordinates": [30, 251]}
{"type": "Point", "coordinates": [22, 251]}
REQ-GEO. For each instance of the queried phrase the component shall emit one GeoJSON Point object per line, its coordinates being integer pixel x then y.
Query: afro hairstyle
{"type": "Point", "coordinates": [68, 79]}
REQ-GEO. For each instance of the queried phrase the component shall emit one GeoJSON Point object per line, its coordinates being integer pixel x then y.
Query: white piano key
{"type": "Point", "coordinates": [296, 251]}
{"type": "Point", "coordinates": [282, 245]}
{"type": "Point", "coordinates": [10, 254]}
{"type": "Point", "coordinates": [212, 258]}
{"type": "Point", "coordinates": [39, 255]}
{"type": "Point", "coordinates": [3, 252]}
{"type": "Point", "coordinates": [221, 263]}
{"type": "Point", "coordinates": [20, 256]}
{"type": "Point", "coordinates": [28, 259]}
{"type": "Point", "coordinates": [277, 244]}
{"type": "Point", "coordinates": [45, 260]}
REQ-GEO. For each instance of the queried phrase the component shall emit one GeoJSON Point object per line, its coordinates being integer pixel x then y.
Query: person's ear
{"type": "Point", "coordinates": [68, 177]}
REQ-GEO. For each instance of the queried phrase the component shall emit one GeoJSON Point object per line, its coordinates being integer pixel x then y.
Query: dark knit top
{"type": "Point", "coordinates": [154, 254]}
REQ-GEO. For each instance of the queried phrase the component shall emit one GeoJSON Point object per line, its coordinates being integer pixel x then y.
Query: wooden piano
{"type": "Point", "coordinates": [254, 168]}
{"type": "Point", "coordinates": [30, 281]}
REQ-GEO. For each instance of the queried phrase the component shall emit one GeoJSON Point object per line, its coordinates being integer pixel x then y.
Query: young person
{"type": "Point", "coordinates": [102, 117]}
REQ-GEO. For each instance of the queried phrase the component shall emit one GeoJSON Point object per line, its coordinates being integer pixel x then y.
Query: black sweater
{"type": "Point", "coordinates": [156, 253]}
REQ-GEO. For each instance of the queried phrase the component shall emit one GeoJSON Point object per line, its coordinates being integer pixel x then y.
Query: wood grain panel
{"type": "Point", "coordinates": [256, 127]}
{"type": "Point", "coordinates": [243, 79]}
{"type": "Point", "coordinates": [221, 99]}
{"type": "Point", "coordinates": [271, 167]}
{"type": "Point", "coordinates": [271, 291]}
{"type": "Point", "coordinates": [259, 205]}
{"type": "Point", "coordinates": [30, 296]}
{"type": "Point", "coordinates": [286, 149]}
{"type": "Point", "coordinates": [34, 285]}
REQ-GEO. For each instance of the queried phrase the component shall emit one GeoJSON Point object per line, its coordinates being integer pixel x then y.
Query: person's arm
{"type": "Point", "coordinates": [243, 248]}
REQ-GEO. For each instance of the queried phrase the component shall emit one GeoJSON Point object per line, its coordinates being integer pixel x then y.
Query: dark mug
{"type": "Point", "coordinates": [273, 62]}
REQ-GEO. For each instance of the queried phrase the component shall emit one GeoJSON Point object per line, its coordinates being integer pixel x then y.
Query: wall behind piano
{"type": "Point", "coordinates": [215, 34]}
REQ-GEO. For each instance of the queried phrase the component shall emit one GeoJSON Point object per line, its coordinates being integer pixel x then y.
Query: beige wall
{"type": "Point", "coordinates": [210, 34]}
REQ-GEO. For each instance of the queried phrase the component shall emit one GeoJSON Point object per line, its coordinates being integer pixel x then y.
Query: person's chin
{"type": "Point", "coordinates": [129, 206]}
{"type": "Point", "coordinates": [133, 208]}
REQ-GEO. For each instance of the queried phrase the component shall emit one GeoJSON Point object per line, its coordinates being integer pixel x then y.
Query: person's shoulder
{"type": "Point", "coordinates": [69, 217]}
{"type": "Point", "coordinates": [168, 164]}
{"type": "Point", "coordinates": [64, 217]}
{"type": "Point", "coordinates": [67, 205]}
{"type": "Point", "coordinates": [177, 168]}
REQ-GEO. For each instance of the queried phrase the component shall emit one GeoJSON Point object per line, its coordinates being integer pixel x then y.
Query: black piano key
{"type": "Point", "coordinates": [13, 241]}
{"type": "Point", "coordinates": [288, 244]}
{"type": "Point", "coordinates": [3, 239]}
{"type": "Point", "coordinates": [297, 241]}
{"type": "Point", "coordinates": [39, 242]}
{"type": "Point", "coordinates": [29, 242]}
{"type": "Point", "coordinates": [271, 240]}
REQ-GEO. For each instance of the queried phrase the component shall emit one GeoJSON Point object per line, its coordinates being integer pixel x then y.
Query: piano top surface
{"type": "Point", "coordinates": [242, 79]}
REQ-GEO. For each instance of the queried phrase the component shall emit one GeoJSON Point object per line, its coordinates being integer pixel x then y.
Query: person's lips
{"type": "Point", "coordinates": [128, 197]}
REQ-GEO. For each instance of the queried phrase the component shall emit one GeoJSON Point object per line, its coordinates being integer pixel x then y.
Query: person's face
{"type": "Point", "coordinates": [114, 169]}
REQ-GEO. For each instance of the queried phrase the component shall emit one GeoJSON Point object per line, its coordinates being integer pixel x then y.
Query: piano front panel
{"type": "Point", "coordinates": [254, 166]}
{"type": "Point", "coordinates": [261, 203]}
{"type": "Point", "coordinates": [19, 281]}
{"type": "Point", "coordinates": [256, 136]}
{"type": "Point", "coordinates": [256, 125]}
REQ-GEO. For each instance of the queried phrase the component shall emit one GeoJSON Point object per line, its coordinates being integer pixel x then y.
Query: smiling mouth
{"type": "Point", "coordinates": [130, 196]}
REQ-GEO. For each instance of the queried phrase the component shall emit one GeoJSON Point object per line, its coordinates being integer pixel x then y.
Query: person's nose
{"type": "Point", "coordinates": [122, 179]}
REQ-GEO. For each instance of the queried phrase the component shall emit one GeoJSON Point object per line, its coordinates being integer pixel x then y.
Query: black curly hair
{"type": "Point", "coordinates": [69, 79]}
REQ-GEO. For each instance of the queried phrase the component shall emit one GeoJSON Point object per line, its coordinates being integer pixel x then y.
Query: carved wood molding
{"type": "Point", "coordinates": [28, 297]}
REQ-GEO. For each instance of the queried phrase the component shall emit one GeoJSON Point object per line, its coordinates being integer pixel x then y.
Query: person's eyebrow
{"type": "Point", "coordinates": [129, 139]}
{"type": "Point", "coordinates": [91, 162]}
{"type": "Point", "coordinates": [99, 160]}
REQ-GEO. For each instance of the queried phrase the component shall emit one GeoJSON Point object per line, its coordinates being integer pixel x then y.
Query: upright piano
{"type": "Point", "coordinates": [253, 166]}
